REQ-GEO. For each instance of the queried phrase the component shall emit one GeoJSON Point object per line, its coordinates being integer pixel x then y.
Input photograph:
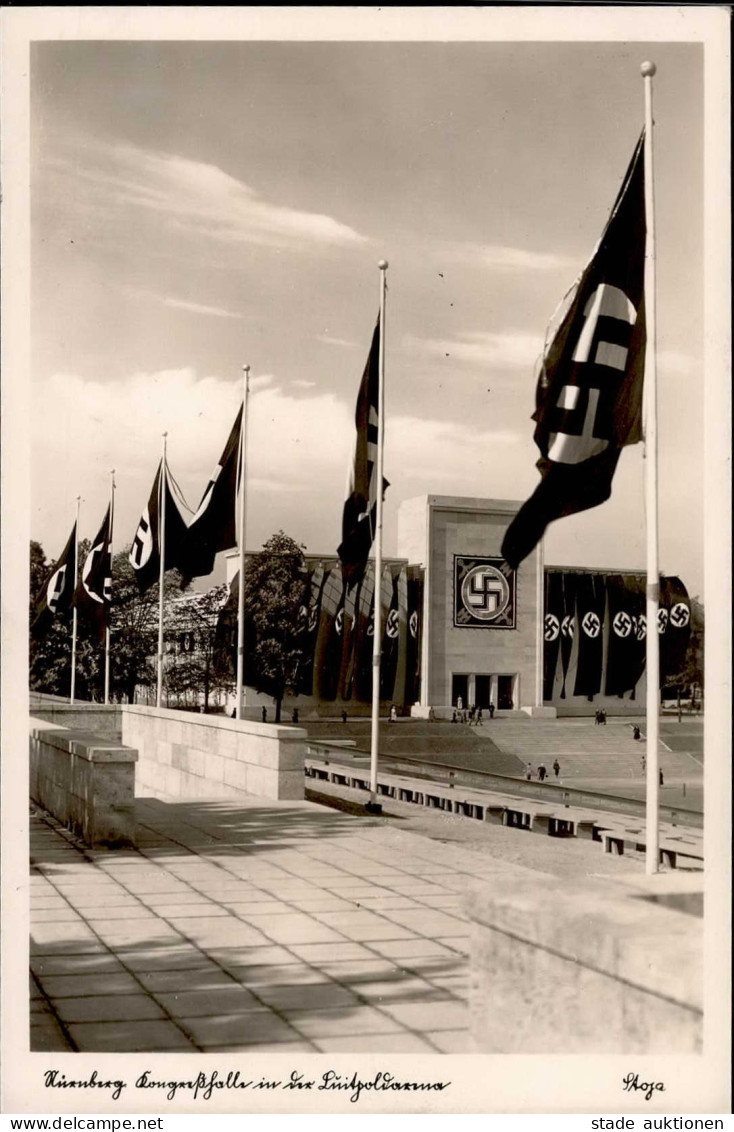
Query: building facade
{"type": "Point", "coordinates": [459, 626]}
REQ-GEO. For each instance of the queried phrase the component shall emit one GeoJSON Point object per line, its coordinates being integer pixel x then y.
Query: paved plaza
{"type": "Point", "coordinates": [268, 926]}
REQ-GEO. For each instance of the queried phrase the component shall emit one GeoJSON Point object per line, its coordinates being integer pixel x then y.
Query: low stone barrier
{"type": "Point", "coordinates": [102, 719]}
{"type": "Point", "coordinates": [84, 780]}
{"type": "Point", "coordinates": [586, 969]}
{"type": "Point", "coordinates": [184, 755]}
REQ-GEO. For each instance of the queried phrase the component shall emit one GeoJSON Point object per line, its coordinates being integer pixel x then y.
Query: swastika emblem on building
{"type": "Point", "coordinates": [413, 624]}
{"type": "Point", "coordinates": [622, 624]}
{"type": "Point", "coordinates": [484, 593]}
{"type": "Point", "coordinates": [551, 627]}
{"type": "Point", "coordinates": [662, 620]}
{"type": "Point", "coordinates": [641, 627]}
{"type": "Point", "coordinates": [591, 624]}
{"type": "Point", "coordinates": [339, 622]}
{"type": "Point", "coordinates": [567, 626]}
{"type": "Point", "coordinates": [680, 615]}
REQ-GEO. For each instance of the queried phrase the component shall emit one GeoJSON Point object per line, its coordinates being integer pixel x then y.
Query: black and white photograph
{"type": "Point", "coordinates": [366, 560]}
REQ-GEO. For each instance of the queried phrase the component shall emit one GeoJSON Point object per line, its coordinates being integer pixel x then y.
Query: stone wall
{"type": "Point", "coordinates": [183, 755]}
{"type": "Point", "coordinates": [84, 780]}
{"type": "Point", "coordinates": [102, 719]}
{"type": "Point", "coordinates": [608, 968]}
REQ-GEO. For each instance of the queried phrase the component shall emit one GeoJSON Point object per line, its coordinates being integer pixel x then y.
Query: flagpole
{"type": "Point", "coordinates": [107, 629]}
{"type": "Point", "coordinates": [73, 615]}
{"type": "Point", "coordinates": [162, 568]}
{"type": "Point", "coordinates": [243, 516]}
{"type": "Point", "coordinates": [373, 806]}
{"type": "Point", "coordinates": [652, 639]}
{"type": "Point", "coordinates": [540, 642]}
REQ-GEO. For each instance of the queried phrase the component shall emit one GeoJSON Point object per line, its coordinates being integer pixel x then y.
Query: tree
{"type": "Point", "coordinates": [275, 591]}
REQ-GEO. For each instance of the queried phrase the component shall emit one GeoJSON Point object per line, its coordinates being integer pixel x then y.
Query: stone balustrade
{"type": "Point", "coordinates": [86, 781]}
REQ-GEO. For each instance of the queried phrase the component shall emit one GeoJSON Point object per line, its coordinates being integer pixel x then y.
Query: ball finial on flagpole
{"type": "Point", "coordinates": [647, 69]}
{"type": "Point", "coordinates": [383, 265]}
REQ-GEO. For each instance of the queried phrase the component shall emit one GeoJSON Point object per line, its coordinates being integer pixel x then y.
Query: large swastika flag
{"type": "Point", "coordinates": [360, 508]}
{"type": "Point", "coordinates": [213, 526]}
{"type": "Point", "coordinates": [145, 552]}
{"type": "Point", "coordinates": [589, 392]}
{"type": "Point", "coordinates": [94, 591]}
{"type": "Point", "coordinates": [58, 590]}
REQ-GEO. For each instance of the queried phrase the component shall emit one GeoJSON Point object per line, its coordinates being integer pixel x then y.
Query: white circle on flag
{"type": "Point", "coordinates": [55, 588]}
{"type": "Point", "coordinates": [551, 627]}
{"type": "Point", "coordinates": [680, 615]}
{"type": "Point", "coordinates": [413, 623]}
{"type": "Point", "coordinates": [591, 624]}
{"type": "Point", "coordinates": [142, 546]}
{"type": "Point", "coordinates": [622, 624]}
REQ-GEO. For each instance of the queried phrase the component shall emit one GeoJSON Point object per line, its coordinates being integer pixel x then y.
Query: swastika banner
{"type": "Point", "coordinates": [415, 612]}
{"type": "Point", "coordinates": [57, 593]}
{"type": "Point", "coordinates": [676, 607]}
{"type": "Point", "coordinates": [94, 590]}
{"type": "Point", "coordinates": [589, 391]}
{"type": "Point", "coordinates": [144, 554]}
{"type": "Point", "coordinates": [484, 593]}
{"type": "Point", "coordinates": [568, 624]}
{"type": "Point", "coordinates": [552, 618]}
{"type": "Point", "coordinates": [590, 601]}
{"type": "Point", "coordinates": [622, 645]}
{"type": "Point", "coordinates": [328, 651]}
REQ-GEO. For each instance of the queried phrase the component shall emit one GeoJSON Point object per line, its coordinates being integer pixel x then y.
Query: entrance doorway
{"type": "Point", "coordinates": [460, 688]}
{"type": "Point", "coordinates": [504, 693]}
{"type": "Point", "coordinates": [482, 691]}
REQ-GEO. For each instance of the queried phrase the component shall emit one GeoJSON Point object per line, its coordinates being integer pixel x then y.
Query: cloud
{"type": "Point", "coordinates": [299, 450]}
{"type": "Point", "coordinates": [180, 304]}
{"type": "Point", "coordinates": [304, 384]}
{"type": "Point", "coordinates": [329, 341]}
{"type": "Point", "coordinates": [191, 196]}
{"type": "Point", "coordinates": [508, 258]}
{"type": "Point", "coordinates": [513, 349]}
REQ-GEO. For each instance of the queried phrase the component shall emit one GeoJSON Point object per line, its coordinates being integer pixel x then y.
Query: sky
{"type": "Point", "coordinates": [198, 206]}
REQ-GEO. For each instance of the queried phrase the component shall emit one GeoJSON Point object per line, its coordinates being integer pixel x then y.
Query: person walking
{"type": "Point", "coordinates": [454, 717]}
{"type": "Point", "coordinates": [479, 717]}
{"type": "Point", "coordinates": [491, 710]}
{"type": "Point", "coordinates": [344, 716]}
{"type": "Point", "coordinates": [556, 768]}
{"type": "Point", "coordinates": [528, 771]}
{"type": "Point", "coordinates": [542, 772]}
{"type": "Point", "coordinates": [393, 714]}
{"type": "Point", "coordinates": [472, 713]}
{"type": "Point", "coordinates": [265, 715]}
